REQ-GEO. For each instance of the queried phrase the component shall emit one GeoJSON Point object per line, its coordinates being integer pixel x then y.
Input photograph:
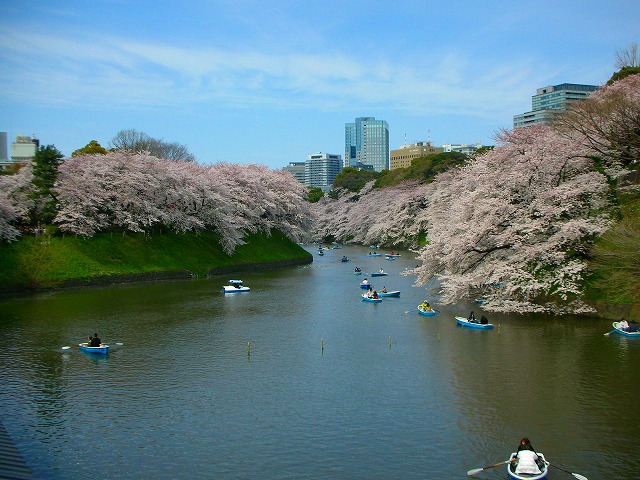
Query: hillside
{"type": "Point", "coordinates": [45, 262]}
{"type": "Point", "coordinates": [615, 261]}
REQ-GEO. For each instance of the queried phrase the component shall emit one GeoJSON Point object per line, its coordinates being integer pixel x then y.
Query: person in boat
{"type": "Point", "coordinates": [425, 306]}
{"type": "Point", "coordinates": [374, 294]}
{"type": "Point", "coordinates": [381, 270]}
{"type": "Point", "coordinates": [365, 282]}
{"type": "Point", "coordinates": [633, 327]}
{"type": "Point", "coordinates": [95, 341]}
{"type": "Point", "coordinates": [357, 269]}
{"type": "Point", "coordinates": [623, 325]}
{"type": "Point", "coordinates": [484, 320]}
{"type": "Point", "coordinates": [527, 459]}
{"type": "Point", "coordinates": [384, 289]}
{"type": "Point", "coordinates": [472, 318]}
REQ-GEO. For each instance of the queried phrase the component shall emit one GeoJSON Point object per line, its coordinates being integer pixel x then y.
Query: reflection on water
{"type": "Point", "coordinates": [391, 395]}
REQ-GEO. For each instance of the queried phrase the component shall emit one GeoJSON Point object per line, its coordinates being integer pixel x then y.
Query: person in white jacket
{"type": "Point", "coordinates": [527, 458]}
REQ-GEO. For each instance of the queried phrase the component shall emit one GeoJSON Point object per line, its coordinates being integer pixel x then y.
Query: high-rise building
{"type": "Point", "coordinates": [297, 170]}
{"type": "Point", "coordinates": [4, 159]}
{"type": "Point", "coordinates": [321, 169]}
{"type": "Point", "coordinates": [24, 149]}
{"type": "Point", "coordinates": [548, 101]}
{"type": "Point", "coordinates": [366, 144]}
{"type": "Point", "coordinates": [402, 157]}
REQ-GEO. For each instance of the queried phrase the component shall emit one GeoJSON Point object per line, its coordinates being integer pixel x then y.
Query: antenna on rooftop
{"type": "Point", "coordinates": [429, 137]}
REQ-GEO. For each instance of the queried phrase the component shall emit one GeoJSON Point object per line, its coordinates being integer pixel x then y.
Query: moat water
{"type": "Point", "coordinates": [300, 379]}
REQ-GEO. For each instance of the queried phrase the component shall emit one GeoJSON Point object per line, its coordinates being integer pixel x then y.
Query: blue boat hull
{"type": "Point", "coordinates": [427, 313]}
{"type": "Point", "coordinates": [622, 332]}
{"type": "Point", "coordinates": [372, 300]}
{"type": "Point", "coordinates": [101, 350]}
{"type": "Point", "coordinates": [395, 293]}
{"type": "Point", "coordinates": [378, 274]}
{"type": "Point", "coordinates": [463, 322]}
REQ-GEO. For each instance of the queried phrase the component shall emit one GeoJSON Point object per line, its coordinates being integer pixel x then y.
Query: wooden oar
{"type": "Point", "coordinates": [577, 475]}
{"type": "Point", "coordinates": [475, 471]}
{"type": "Point", "coordinates": [411, 311]}
{"type": "Point", "coordinates": [609, 333]}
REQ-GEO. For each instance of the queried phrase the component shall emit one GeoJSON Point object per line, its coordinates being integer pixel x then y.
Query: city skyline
{"type": "Point", "coordinates": [249, 82]}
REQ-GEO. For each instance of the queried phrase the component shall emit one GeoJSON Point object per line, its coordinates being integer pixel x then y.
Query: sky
{"type": "Point", "coordinates": [270, 82]}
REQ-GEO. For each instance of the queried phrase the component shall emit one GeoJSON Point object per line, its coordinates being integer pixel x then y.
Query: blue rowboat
{"type": "Point", "coordinates": [378, 274]}
{"type": "Point", "coordinates": [544, 469]}
{"type": "Point", "coordinates": [101, 350]}
{"type": "Point", "coordinates": [365, 284]}
{"type": "Point", "coordinates": [373, 300]}
{"type": "Point", "coordinates": [394, 293]}
{"type": "Point", "coordinates": [619, 330]}
{"type": "Point", "coordinates": [344, 259]}
{"type": "Point", "coordinates": [426, 313]}
{"type": "Point", "coordinates": [463, 322]}
{"type": "Point", "coordinates": [374, 254]}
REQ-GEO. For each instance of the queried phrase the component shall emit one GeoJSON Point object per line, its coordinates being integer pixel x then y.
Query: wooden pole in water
{"type": "Point", "coordinates": [248, 348]}
{"type": "Point", "coordinates": [322, 344]}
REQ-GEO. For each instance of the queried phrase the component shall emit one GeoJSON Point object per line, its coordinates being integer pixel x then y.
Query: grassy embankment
{"type": "Point", "coordinates": [615, 264]}
{"type": "Point", "coordinates": [44, 262]}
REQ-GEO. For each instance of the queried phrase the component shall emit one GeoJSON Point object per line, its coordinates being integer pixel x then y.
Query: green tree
{"type": "Point", "coordinates": [45, 172]}
{"type": "Point", "coordinates": [623, 73]}
{"type": "Point", "coordinates": [314, 194]}
{"type": "Point", "coordinates": [353, 179]}
{"type": "Point", "coordinates": [422, 169]}
{"type": "Point", "coordinates": [91, 148]}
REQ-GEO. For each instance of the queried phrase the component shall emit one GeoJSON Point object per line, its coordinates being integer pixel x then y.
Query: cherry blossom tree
{"type": "Point", "coordinates": [138, 192]}
{"type": "Point", "coordinates": [513, 225]}
{"type": "Point", "coordinates": [15, 201]}
{"type": "Point", "coordinates": [608, 122]}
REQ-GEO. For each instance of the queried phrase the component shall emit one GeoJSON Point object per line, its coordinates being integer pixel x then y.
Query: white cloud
{"type": "Point", "coordinates": [117, 72]}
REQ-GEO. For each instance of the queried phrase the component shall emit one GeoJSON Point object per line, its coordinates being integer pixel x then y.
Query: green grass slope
{"type": "Point", "coordinates": [615, 263]}
{"type": "Point", "coordinates": [44, 262]}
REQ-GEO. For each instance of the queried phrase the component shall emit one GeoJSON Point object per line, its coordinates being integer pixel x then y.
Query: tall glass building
{"type": "Point", "coordinates": [366, 144]}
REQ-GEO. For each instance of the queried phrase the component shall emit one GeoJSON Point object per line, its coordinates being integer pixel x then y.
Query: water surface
{"type": "Point", "coordinates": [240, 386]}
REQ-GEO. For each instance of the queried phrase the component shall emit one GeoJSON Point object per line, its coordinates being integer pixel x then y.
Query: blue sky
{"type": "Point", "coordinates": [270, 82]}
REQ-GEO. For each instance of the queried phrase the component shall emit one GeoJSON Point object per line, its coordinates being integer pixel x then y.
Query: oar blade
{"type": "Point", "coordinates": [475, 471]}
{"type": "Point", "coordinates": [579, 477]}
{"type": "Point", "coordinates": [65, 348]}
